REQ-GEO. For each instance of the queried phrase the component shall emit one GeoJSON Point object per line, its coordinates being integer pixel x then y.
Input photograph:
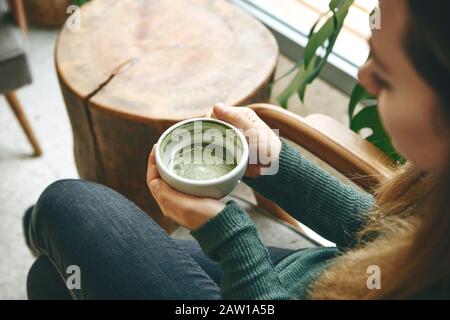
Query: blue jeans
{"type": "Point", "coordinates": [120, 251]}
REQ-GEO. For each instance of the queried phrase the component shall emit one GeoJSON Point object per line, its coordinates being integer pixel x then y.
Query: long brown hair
{"type": "Point", "coordinates": [408, 233]}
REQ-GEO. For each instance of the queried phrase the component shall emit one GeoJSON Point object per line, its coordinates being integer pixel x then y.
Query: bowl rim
{"type": "Point", "coordinates": [242, 163]}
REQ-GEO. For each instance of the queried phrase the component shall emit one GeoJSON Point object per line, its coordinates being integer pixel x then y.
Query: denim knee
{"type": "Point", "coordinates": [54, 199]}
{"type": "Point", "coordinates": [54, 205]}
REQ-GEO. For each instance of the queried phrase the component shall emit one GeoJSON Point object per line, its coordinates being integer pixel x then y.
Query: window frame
{"type": "Point", "coordinates": [338, 71]}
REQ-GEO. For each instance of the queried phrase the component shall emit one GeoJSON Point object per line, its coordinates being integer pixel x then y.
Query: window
{"type": "Point", "coordinates": [291, 21]}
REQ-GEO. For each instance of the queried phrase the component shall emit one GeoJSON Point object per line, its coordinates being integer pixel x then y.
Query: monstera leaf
{"type": "Point", "coordinates": [79, 2]}
{"type": "Point", "coordinates": [369, 118]}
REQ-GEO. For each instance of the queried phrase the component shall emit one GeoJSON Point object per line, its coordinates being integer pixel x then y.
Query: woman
{"type": "Point", "coordinates": [403, 229]}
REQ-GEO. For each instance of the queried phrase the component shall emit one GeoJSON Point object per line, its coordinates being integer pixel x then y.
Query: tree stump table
{"type": "Point", "coordinates": [134, 68]}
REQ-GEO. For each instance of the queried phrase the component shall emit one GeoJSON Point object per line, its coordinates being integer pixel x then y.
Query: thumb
{"type": "Point", "coordinates": [236, 116]}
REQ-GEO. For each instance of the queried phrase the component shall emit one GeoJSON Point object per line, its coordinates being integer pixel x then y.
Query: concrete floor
{"type": "Point", "coordinates": [22, 178]}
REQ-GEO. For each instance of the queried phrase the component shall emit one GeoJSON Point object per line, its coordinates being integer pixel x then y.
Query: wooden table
{"type": "Point", "coordinates": [136, 67]}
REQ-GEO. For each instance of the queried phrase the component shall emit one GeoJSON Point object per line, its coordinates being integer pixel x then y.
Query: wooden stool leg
{"type": "Point", "coordinates": [20, 115]}
{"type": "Point", "coordinates": [18, 13]}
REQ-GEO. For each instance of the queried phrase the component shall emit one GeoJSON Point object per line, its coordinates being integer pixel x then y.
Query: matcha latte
{"type": "Point", "coordinates": [201, 150]}
{"type": "Point", "coordinates": [209, 166]}
{"type": "Point", "coordinates": [202, 156]}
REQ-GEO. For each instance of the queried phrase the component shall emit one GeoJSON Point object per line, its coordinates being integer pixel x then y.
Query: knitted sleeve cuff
{"type": "Point", "coordinates": [223, 227]}
{"type": "Point", "coordinates": [285, 173]}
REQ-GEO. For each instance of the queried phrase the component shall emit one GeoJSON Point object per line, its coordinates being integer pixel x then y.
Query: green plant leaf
{"type": "Point", "coordinates": [358, 95]}
{"type": "Point", "coordinates": [285, 95]}
{"type": "Point", "coordinates": [369, 117]}
{"type": "Point", "coordinates": [295, 86]}
{"type": "Point", "coordinates": [307, 77]}
{"type": "Point", "coordinates": [79, 2]}
{"type": "Point", "coordinates": [312, 64]}
{"type": "Point", "coordinates": [334, 4]}
{"type": "Point", "coordinates": [329, 30]}
{"type": "Point", "coordinates": [287, 73]}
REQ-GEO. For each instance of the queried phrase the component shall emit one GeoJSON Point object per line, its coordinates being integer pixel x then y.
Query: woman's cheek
{"type": "Point", "coordinates": [385, 112]}
{"type": "Point", "coordinates": [394, 121]}
{"type": "Point", "coordinates": [409, 126]}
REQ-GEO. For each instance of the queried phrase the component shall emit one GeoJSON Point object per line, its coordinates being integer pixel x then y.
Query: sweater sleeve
{"type": "Point", "coordinates": [231, 239]}
{"type": "Point", "coordinates": [331, 208]}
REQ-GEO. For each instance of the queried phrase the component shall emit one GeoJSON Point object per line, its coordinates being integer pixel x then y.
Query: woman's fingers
{"type": "Point", "coordinates": [152, 158]}
{"type": "Point", "coordinates": [170, 200]}
{"type": "Point", "coordinates": [152, 170]}
{"type": "Point", "coordinates": [188, 211]}
{"type": "Point", "coordinates": [167, 198]}
{"type": "Point", "coordinates": [264, 144]}
{"type": "Point", "coordinates": [237, 116]}
{"type": "Point", "coordinates": [212, 115]}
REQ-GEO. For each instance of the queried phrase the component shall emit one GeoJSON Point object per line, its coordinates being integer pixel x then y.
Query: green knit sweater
{"type": "Point", "coordinates": [332, 209]}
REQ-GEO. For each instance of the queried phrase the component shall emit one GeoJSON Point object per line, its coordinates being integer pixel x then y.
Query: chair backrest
{"type": "Point", "coordinates": [332, 142]}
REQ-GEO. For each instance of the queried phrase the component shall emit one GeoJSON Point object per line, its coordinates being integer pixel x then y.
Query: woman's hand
{"type": "Point", "coordinates": [264, 144]}
{"type": "Point", "coordinates": [188, 211]}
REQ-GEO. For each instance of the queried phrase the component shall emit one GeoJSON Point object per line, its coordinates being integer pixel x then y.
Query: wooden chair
{"type": "Point", "coordinates": [330, 141]}
{"type": "Point", "coordinates": [14, 71]}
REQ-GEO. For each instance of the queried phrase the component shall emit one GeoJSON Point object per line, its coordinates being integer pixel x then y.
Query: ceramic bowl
{"type": "Point", "coordinates": [204, 157]}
